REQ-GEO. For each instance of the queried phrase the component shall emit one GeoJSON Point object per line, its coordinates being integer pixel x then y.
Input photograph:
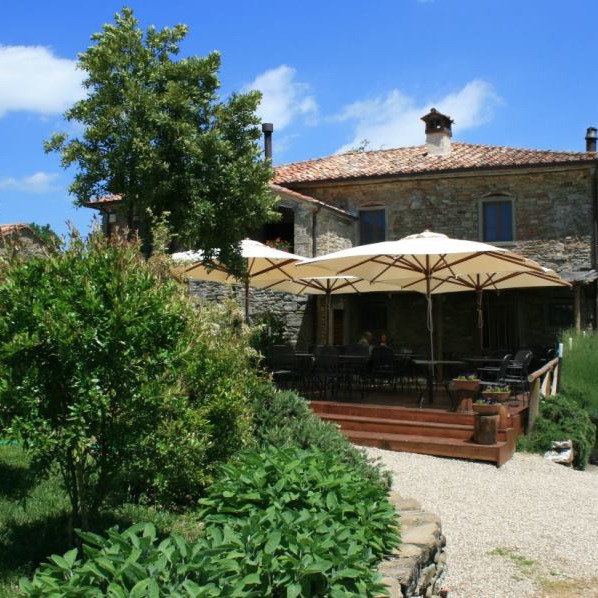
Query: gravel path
{"type": "Point", "coordinates": [529, 528]}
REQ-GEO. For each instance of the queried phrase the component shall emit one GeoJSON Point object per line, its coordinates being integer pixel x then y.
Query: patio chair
{"type": "Point", "coordinates": [354, 367]}
{"type": "Point", "coordinates": [325, 375]}
{"type": "Point", "coordinates": [383, 366]}
{"type": "Point", "coordinates": [495, 376]}
{"type": "Point", "coordinates": [492, 375]}
{"type": "Point", "coordinates": [281, 360]}
{"type": "Point", "coordinates": [517, 370]}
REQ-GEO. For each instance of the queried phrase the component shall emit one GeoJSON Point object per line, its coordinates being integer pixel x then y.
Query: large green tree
{"type": "Point", "coordinates": [155, 131]}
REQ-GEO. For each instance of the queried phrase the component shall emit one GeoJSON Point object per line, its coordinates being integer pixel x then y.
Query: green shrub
{"type": "Point", "coordinates": [283, 418]}
{"type": "Point", "coordinates": [579, 366]}
{"type": "Point", "coordinates": [267, 330]}
{"type": "Point", "coordinates": [278, 523]}
{"type": "Point", "coordinates": [561, 418]}
{"type": "Point", "coordinates": [108, 370]}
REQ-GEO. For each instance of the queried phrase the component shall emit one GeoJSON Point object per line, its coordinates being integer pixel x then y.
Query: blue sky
{"type": "Point", "coordinates": [510, 72]}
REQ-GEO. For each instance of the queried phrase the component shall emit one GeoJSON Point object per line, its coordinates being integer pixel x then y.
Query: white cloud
{"type": "Point", "coordinates": [394, 120]}
{"type": "Point", "coordinates": [33, 79]}
{"type": "Point", "coordinates": [283, 98]}
{"type": "Point", "coordinates": [40, 182]}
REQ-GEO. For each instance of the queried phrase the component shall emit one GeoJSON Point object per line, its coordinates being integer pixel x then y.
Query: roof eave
{"type": "Point", "coordinates": [434, 173]}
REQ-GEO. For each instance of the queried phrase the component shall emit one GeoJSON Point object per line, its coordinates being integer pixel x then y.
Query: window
{"type": "Point", "coordinates": [497, 220]}
{"type": "Point", "coordinates": [372, 226]}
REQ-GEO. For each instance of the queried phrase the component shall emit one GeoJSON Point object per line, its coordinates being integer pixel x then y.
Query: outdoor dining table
{"type": "Point", "coordinates": [431, 365]}
{"type": "Point", "coordinates": [482, 361]}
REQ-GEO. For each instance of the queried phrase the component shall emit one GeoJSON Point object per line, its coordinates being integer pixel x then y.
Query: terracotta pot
{"type": "Point", "coordinates": [472, 385]}
{"type": "Point", "coordinates": [500, 396]}
{"type": "Point", "coordinates": [485, 409]}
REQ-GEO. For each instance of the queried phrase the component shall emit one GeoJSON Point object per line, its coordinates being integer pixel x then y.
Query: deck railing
{"type": "Point", "coordinates": [542, 383]}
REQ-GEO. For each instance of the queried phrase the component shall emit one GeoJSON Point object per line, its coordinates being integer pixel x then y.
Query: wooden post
{"type": "Point", "coordinates": [556, 379]}
{"type": "Point", "coordinates": [577, 306]}
{"type": "Point", "coordinates": [534, 405]}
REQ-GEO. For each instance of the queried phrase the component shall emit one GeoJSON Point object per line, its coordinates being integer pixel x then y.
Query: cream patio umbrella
{"type": "Point", "coordinates": [263, 264]}
{"type": "Point", "coordinates": [426, 259]}
{"type": "Point", "coordinates": [496, 281]}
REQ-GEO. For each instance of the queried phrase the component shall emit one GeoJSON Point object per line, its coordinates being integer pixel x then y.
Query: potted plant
{"type": "Point", "coordinates": [467, 382]}
{"type": "Point", "coordinates": [484, 407]}
{"type": "Point", "coordinates": [499, 394]}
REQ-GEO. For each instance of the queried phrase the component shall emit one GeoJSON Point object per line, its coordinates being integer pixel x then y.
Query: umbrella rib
{"type": "Point", "coordinates": [274, 266]}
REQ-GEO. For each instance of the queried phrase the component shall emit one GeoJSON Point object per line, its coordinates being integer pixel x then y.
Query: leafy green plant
{"type": "Point", "coordinates": [283, 418]}
{"type": "Point", "coordinates": [278, 523]}
{"type": "Point", "coordinates": [303, 480]}
{"type": "Point", "coordinates": [497, 388]}
{"type": "Point", "coordinates": [267, 330]}
{"type": "Point", "coordinates": [579, 365]}
{"type": "Point", "coordinates": [109, 371]}
{"type": "Point", "coordinates": [561, 418]}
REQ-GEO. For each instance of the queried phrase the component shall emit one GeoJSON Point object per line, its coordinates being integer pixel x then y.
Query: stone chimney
{"type": "Point", "coordinates": [438, 133]}
{"type": "Point", "coordinates": [591, 135]}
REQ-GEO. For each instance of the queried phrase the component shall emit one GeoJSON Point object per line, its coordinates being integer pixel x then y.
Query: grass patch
{"type": "Point", "coordinates": [527, 567]}
{"type": "Point", "coordinates": [552, 584]}
{"type": "Point", "coordinates": [569, 588]}
{"type": "Point", "coordinates": [34, 519]}
{"type": "Point", "coordinates": [580, 362]}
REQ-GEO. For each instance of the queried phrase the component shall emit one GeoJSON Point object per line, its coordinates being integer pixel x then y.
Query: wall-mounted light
{"type": "Point", "coordinates": [112, 218]}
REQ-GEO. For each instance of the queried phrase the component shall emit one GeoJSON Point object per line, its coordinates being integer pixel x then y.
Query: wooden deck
{"type": "Point", "coordinates": [394, 422]}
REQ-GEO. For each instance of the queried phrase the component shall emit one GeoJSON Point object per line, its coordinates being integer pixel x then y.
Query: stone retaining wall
{"type": "Point", "coordinates": [417, 569]}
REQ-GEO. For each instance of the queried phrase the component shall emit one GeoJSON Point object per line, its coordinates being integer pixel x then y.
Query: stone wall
{"type": "Point", "coordinates": [553, 214]}
{"type": "Point", "coordinates": [418, 567]}
{"type": "Point", "coordinates": [333, 232]}
{"type": "Point", "coordinates": [293, 309]}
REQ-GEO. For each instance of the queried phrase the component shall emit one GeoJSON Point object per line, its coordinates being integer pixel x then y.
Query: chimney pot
{"type": "Point", "coordinates": [267, 129]}
{"type": "Point", "coordinates": [438, 133]}
{"type": "Point", "coordinates": [591, 137]}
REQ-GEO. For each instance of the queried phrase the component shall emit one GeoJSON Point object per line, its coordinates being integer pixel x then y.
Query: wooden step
{"type": "Point", "coordinates": [397, 426]}
{"type": "Point", "coordinates": [391, 412]}
{"type": "Point", "coordinates": [497, 453]}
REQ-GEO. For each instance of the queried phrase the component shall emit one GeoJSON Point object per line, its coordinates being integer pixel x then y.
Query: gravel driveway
{"type": "Point", "coordinates": [529, 528]}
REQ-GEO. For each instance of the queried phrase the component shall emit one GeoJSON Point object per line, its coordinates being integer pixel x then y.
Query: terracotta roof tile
{"type": "Point", "coordinates": [105, 199]}
{"type": "Point", "coordinates": [9, 229]}
{"type": "Point", "coordinates": [307, 199]}
{"type": "Point", "coordinates": [416, 160]}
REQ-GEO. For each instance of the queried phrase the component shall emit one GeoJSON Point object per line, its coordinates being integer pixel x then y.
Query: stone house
{"type": "Point", "coordinates": [22, 237]}
{"type": "Point", "coordinates": [542, 204]}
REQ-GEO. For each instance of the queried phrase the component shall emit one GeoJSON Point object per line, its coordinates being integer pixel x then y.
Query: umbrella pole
{"type": "Point", "coordinates": [480, 321]}
{"type": "Point", "coordinates": [430, 318]}
{"type": "Point", "coordinates": [328, 306]}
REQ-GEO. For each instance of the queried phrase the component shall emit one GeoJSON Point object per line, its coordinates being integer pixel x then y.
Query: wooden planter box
{"type": "Point", "coordinates": [471, 385]}
{"type": "Point", "coordinates": [500, 397]}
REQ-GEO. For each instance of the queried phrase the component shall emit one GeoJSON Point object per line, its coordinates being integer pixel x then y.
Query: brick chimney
{"type": "Point", "coordinates": [438, 133]}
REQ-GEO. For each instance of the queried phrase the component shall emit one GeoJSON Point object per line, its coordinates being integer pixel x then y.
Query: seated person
{"type": "Point", "coordinates": [366, 339]}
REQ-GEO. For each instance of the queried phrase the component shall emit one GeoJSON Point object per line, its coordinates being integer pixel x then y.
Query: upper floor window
{"type": "Point", "coordinates": [497, 219]}
{"type": "Point", "coordinates": [372, 226]}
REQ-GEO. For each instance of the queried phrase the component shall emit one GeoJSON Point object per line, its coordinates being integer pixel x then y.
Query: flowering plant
{"type": "Point", "coordinates": [278, 243]}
